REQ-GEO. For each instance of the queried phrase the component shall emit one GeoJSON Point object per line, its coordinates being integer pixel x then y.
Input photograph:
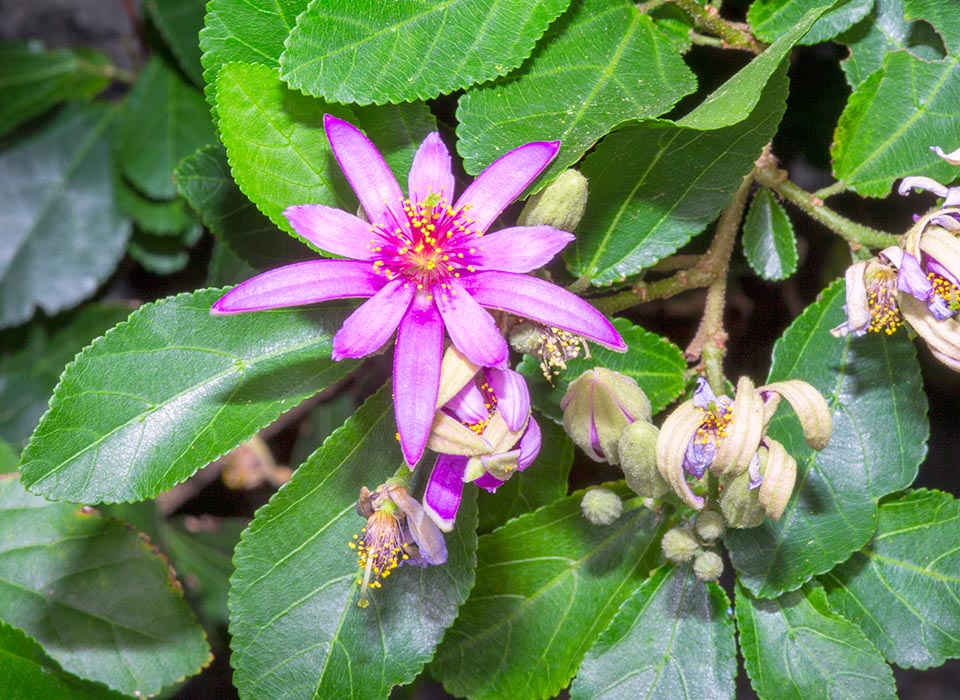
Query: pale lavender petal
{"type": "Point", "coordinates": [416, 375]}
{"type": "Point", "coordinates": [301, 283]}
{"type": "Point", "coordinates": [472, 330]}
{"type": "Point", "coordinates": [431, 170]}
{"type": "Point", "coordinates": [332, 230]}
{"type": "Point", "coordinates": [469, 405]}
{"type": "Point", "coordinates": [488, 482]}
{"type": "Point", "coordinates": [952, 158]}
{"type": "Point", "coordinates": [424, 532]}
{"type": "Point", "coordinates": [371, 325]}
{"type": "Point", "coordinates": [938, 269]}
{"type": "Point", "coordinates": [912, 279]}
{"type": "Point", "coordinates": [534, 298]}
{"type": "Point", "coordinates": [703, 395]}
{"type": "Point", "coordinates": [520, 249]}
{"type": "Point", "coordinates": [529, 444]}
{"type": "Point", "coordinates": [951, 200]}
{"type": "Point", "coordinates": [921, 183]}
{"type": "Point", "coordinates": [698, 456]}
{"type": "Point", "coordinates": [366, 171]}
{"type": "Point", "coordinates": [940, 308]}
{"type": "Point", "coordinates": [441, 500]}
{"type": "Point", "coordinates": [513, 397]}
{"type": "Point", "coordinates": [753, 469]}
{"type": "Point", "coordinates": [504, 180]}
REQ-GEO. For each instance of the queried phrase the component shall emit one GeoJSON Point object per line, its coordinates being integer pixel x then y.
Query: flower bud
{"type": "Point", "coordinates": [708, 566]}
{"type": "Point", "coordinates": [560, 204]}
{"type": "Point", "coordinates": [709, 525]}
{"type": "Point", "coordinates": [601, 506]}
{"type": "Point", "coordinates": [638, 459]}
{"type": "Point", "coordinates": [779, 471]}
{"type": "Point", "coordinates": [598, 405]}
{"type": "Point", "coordinates": [553, 347]}
{"type": "Point", "coordinates": [740, 504]}
{"type": "Point", "coordinates": [679, 545]}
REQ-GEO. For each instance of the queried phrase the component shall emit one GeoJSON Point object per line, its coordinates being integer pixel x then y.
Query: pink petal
{"type": "Point", "coordinates": [416, 375]}
{"type": "Point", "coordinates": [371, 325]}
{"type": "Point", "coordinates": [488, 482]}
{"type": "Point", "coordinates": [431, 170]}
{"type": "Point", "coordinates": [301, 283]}
{"type": "Point", "coordinates": [441, 500]}
{"type": "Point", "coordinates": [547, 303]}
{"type": "Point", "coordinates": [513, 397]}
{"type": "Point", "coordinates": [366, 171]}
{"type": "Point", "coordinates": [520, 249]}
{"type": "Point", "coordinates": [472, 330]}
{"type": "Point", "coordinates": [504, 180]}
{"type": "Point", "coordinates": [529, 445]}
{"type": "Point", "coordinates": [332, 230]}
{"type": "Point", "coordinates": [469, 405]}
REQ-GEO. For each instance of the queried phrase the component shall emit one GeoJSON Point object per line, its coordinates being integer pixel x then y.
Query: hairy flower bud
{"type": "Point", "coordinates": [601, 506]}
{"type": "Point", "coordinates": [679, 545]}
{"type": "Point", "coordinates": [709, 525]}
{"type": "Point", "coordinates": [560, 204]}
{"type": "Point", "coordinates": [707, 566]}
{"type": "Point", "coordinates": [638, 459]}
{"type": "Point", "coordinates": [740, 504]}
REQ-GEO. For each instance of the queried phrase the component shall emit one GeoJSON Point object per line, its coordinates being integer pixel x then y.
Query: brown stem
{"type": "Point", "coordinates": [734, 35]}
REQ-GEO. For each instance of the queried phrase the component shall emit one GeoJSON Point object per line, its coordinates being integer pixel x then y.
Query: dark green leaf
{"type": "Point", "coordinates": [165, 120]}
{"type": "Point", "coordinates": [604, 63]}
{"type": "Point", "coordinates": [548, 583]}
{"type": "Point", "coordinates": [772, 19]}
{"type": "Point", "coordinates": [158, 217]}
{"type": "Point", "coordinates": [180, 22]}
{"type": "Point", "coordinates": [58, 561]}
{"type": "Point", "coordinates": [675, 25]}
{"type": "Point", "coordinates": [321, 423]}
{"type": "Point", "coordinates": [673, 638]}
{"type": "Point", "coordinates": [226, 267]}
{"type": "Point", "coordinates": [684, 179]}
{"type": "Point", "coordinates": [160, 396]}
{"type": "Point", "coordinates": [297, 629]}
{"type": "Point", "coordinates": [164, 255]}
{"type": "Point", "coordinates": [397, 131]}
{"type": "Point", "coordinates": [768, 241]}
{"type": "Point", "coordinates": [58, 218]}
{"type": "Point", "coordinates": [9, 458]}
{"type": "Point", "coordinates": [796, 648]}
{"type": "Point", "coordinates": [903, 588]}
{"type": "Point", "coordinates": [365, 51]}
{"type": "Point", "coordinates": [880, 429]}
{"type": "Point", "coordinates": [942, 16]}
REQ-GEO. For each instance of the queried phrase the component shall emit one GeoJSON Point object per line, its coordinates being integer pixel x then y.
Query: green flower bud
{"type": "Point", "coordinates": [601, 506]}
{"type": "Point", "coordinates": [708, 566]}
{"type": "Point", "coordinates": [560, 204]}
{"type": "Point", "coordinates": [709, 525]}
{"type": "Point", "coordinates": [638, 459]}
{"type": "Point", "coordinates": [679, 545]}
{"type": "Point", "coordinates": [740, 504]}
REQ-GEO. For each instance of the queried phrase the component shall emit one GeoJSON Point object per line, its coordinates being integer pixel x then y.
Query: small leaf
{"type": "Point", "coordinates": [548, 583]}
{"type": "Point", "coordinates": [226, 267]}
{"type": "Point", "coordinates": [673, 638]}
{"type": "Point", "coordinates": [297, 630]}
{"type": "Point", "coordinates": [903, 588]}
{"type": "Point", "coordinates": [656, 364]}
{"type": "Point", "coordinates": [160, 396]}
{"type": "Point", "coordinates": [158, 217]}
{"type": "Point", "coordinates": [771, 19]}
{"type": "Point", "coordinates": [768, 240]}
{"type": "Point", "coordinates": [58, 218]}
{"type": "Point", "coordinates": [796, 648]}
{"type": "Point", "coordinates": [58, 561]}
{"type": "Point", "coordinates": [164, 255]}
{"type": "Point", "coordinates": [603, 64]}
{"type": "Point", "coordinates": [419, 50]}
{"type": "Point", "coordinates": [180, 22]}
{"type": "Point", "coordinates": [880, 429]}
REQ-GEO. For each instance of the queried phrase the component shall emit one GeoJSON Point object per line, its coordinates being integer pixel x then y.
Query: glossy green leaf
{"type": "Point", "coordinates": [542, 483]}
{"type": "Point", "coordinates": [164, 255]}
{"type": "Point", "coordinates": [29, 674]}
{"type": "Point", "coordinates": [158, 217]}
{"type": "Point", "coordinates": [160, 396]}
{"type": "Point", "coordinates": [98, 597]}
{"type": "Point", "coordinates": [768, 241]}
{"type": "Point", "coordinates": [771, 19]}
{"type": "Point", "coordinates": [656, 364]}
{"type": "Point", "coordinates": [34, 80]}
{"type": "Point", "coordinates": [680, 180]}
{"type": "Point", "coordinates": [796, 648]}
{"type": "Point", "coordinates": [872, 385]}
{"type": "Point", "coordinates": [942, 16]}
{"type": "Point", "coordinates": [903, 588]}
{"type": "Point", "coordinates": [548, 584]}
{"type": "Point", "coordinates": [892, 119]}
{"type": "Point", "coordinates": [397, 131]}
{"type": "Point", "coordinates": [58, 218]}
{"type": "Point", "coordinates": [674, 23]}
{"type": "Point", "coordinates": [416, 50]}
{"type": "Point", "coordinates": [602, 64]}
{"type": "Point", "coordinates": [673, 638]}
{"type": "Point", "coordinates": [297, 629]}
{"type": "Point", "coordinates": [165, 120]}
{"type": "Point", "coordinates": [180, 22]}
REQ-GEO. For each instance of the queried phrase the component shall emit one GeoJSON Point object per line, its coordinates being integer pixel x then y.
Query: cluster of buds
{"type": "Point", "coordinates": [683, 543]}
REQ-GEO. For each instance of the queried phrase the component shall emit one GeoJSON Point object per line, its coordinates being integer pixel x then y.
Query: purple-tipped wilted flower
{"type": "Point", "coordinates": [871, 295]}
{"type": "Point", "coordinates": [427, 265]}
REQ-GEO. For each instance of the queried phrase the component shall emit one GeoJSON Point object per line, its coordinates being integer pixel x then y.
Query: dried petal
{"type": "Point", "coordinates": [810, 407]}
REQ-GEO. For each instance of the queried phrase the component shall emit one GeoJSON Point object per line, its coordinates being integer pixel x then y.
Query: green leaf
{"type": "Point", "coordinates": [673, 638]}
{"type": "Point", "coordinates": [683, 180]}
{"type": "Point", "coordinates": [158, 217]}
{"type": "Point", "coordinates": [768, 241]}
{"type": "Point", "coordinates": [603, 64]}
{"type": "Point", "coordinates": [542, 483]}
{"type": "Point", "coordinates": [368, 51]}
{"type": "Point", "coordinates": [891, 120]}
{"type": "Point", "coordinates": [34, 80]}
{"type": "Point", "coordinates": [226, 267]}
{"type": "Point", "coordinates": [96, 595]}
{"type": "Point", "coordinates": [547, 584]}
{"type": "Point", "coordinates": [297, 629]}
{"type": "Point", "coordinates": [397, 130]}
{"type": "Point", "coordinates": [164, 255]}
{"type": "Point", "coordinates": [180, 22]}
{"type": "Point", "coordinates": [796, 648]}
{"type": "Point", "coordinates": [943, 17]}
{"type": "Point", "coordinates": [9, 458]}
{"type": "Point", "coordinates": [772, 19]}
{"type": "Point", "coordinates": [656, 364]}
{"type": "Point", "coordinates": [903, 588]}
{"type": "Point", "coordinates": [29, 674]}
{"type": "Point", "coordinates": [872, 385]}
{"type": "Point", "coordinates": [321, 423]}
{"type": "Point", "coordinates": [674, 23]}
{"type": "Point", "coordinates": [165, 119]}
{"type": "Point", "coordinates": [172, 389]}
{"type": "Point", "coordinates": [58, 218]}
{"type": "Point", "coordinates": [28, 376]}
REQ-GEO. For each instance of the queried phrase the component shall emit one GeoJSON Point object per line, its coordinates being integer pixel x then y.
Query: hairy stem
{"type": "Point", "coordinates": [708, 19]}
